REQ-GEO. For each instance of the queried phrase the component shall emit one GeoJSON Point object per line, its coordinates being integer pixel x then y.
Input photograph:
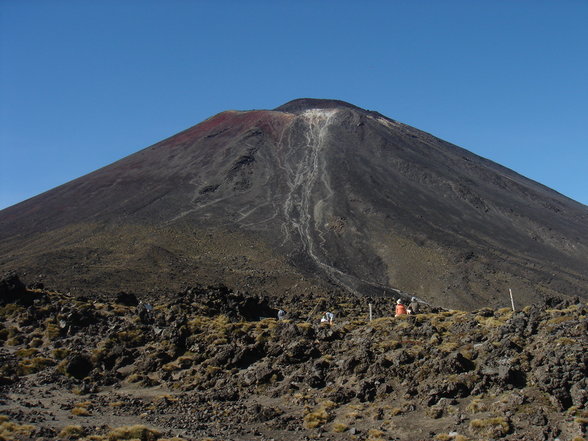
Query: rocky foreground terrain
{"type": "Point", "coordinates": [202, 365]}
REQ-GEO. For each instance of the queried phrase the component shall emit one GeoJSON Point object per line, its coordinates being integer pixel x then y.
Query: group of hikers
{"type": "Point", "coordinates": [413, 307]}
{"type": "Point", "coordinates": [328, 317]}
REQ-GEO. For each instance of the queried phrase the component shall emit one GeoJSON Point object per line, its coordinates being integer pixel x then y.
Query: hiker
{"type": "Point", "coordinates": [328, 317]}
{"type": "Point", "coordinates": [144, 311]}
{"type": "Point", "coordinates": [400, 309]}
{"type": "Point", "coordinates": [281, 314]}
{"type": "Point", "coordinates": [413, 306]}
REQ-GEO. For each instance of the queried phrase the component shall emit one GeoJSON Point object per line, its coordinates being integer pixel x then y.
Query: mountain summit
{"type": "Point", "coordinates": [314, 195]}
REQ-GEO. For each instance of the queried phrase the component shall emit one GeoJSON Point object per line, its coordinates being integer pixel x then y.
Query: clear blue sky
{"type": "Point", "coordinates": [84, 83]}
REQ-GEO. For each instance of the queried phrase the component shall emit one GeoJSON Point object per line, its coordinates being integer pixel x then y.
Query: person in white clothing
{"type": "Point", "coordinates": [328, 317]}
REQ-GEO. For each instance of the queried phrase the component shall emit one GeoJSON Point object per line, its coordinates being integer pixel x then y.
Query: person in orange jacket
{"type": "Point", "coordinates": [400, 309]}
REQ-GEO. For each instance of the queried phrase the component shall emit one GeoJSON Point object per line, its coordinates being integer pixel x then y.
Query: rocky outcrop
{"type": "Point", "coordinates": [488, 373]}
{"type": "Point", "coordinates": [12, 290]}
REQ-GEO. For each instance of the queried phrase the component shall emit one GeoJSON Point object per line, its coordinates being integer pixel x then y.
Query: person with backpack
{"type": "Point", "coordinates": [328, 318]}
{"type": "Point", "coordinates": [413, 306]}
{"type": "Point", "coordinates": [400, 309]}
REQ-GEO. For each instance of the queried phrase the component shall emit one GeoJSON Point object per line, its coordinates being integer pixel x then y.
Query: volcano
{"type": "Point", "coordinates": [315, 195]}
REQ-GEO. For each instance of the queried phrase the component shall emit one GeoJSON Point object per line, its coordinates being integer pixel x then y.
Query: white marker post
{"type": "Point", "coordinates": [370, 312]}
{"type": "Point", "coordinates": [511, 299]}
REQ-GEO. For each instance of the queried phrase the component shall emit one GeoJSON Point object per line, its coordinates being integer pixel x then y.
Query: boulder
{"type": "Point", "coordinates": [456, 363]}
{"type": "Point", "coordinates": [79, 366]}
{"type": "Point", "coordinates": [341, 395]}
{"type": "Point", "coordinates": [12, 290]}
{"type": "Point", "coordinates": [127, 299]}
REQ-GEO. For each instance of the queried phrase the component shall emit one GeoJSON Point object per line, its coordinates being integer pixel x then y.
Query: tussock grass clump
{"type": "Point", "coordinates": [582, 418]}
{"type": "Point", "coordinates": [33, 365]}
{"type": "Point", "coordinates": [165, 398]}
{"type": "Point", "coordinates": [116, 404]}
{"type": "Point", "coordinates": [444, 320]}
{"type": "Point", "coordinates": [339, 427]}
{"type": "Point", "coordinates": [490, 322]}
{"type": "Point", "coordinates": [402, 322]}
{"type": "Point", "coordinates": [182, 362]}
{"type": "Point", "coordinates": [476, 406]}
{"type": "Point", "coordinates": [565, 341]}
{"type": "Point", "coordinates": [448, 347]}
{"type": "Point", "coordinates": [501, 312]}
{"type": "Point", "coordinates": [555, 321]}
{"type": "Point", "coordinates": [353, 325]}
{"type": "Point", "coordinates": [82, 409]}
{"type": "Point", "coordinates": [261, 331]}
{"type": "Point", "coordinates": [60, 353]}
{"type": "Point", "coordinates": [491, 427]}
{"type": "Point", "coordinates": [382, 324]}
{"type": "Point", "coordinates": [15, 341]}
{"type": "Point", "coordinates": [52, 331]}
{"type": "Point", "coordinates": [26, 353]}
{"type": "Point", "coordinates": [395, 411]}
{"type": "Point", "coordinates": [72, 432]}
{"type": "Point", "coordinates": [10, 309]}
{"type": "Point", "coordinates": [450, 437]}
{"type": "Point", "coordinates": [300, 399]}
{"type": "Point", "coordinates": [304, 325]}
{"type": "Point", "coordinates": [315, 419]}
{"type": "Point", "coordinates": [211, 330]}
{"type": "Point", "coordinates": [565, 311]}
{"type": "Point", "coordinates": [212, 370]}
{"type": "Point", "coordinates": [375, 435]}
{"type": "Point", "coordinates": [10, 430]}
{"type": "Point", "coordinates": [319, 416]}
{"type": "Point", "coordinates": [135, 378]}
{"type": "Point", "coordinates": [387, 345]}
{"type": "Point", "coordinates": [36, 342]}
{"type": "Point", "coordinates": [139, 432]}
{"type": "Point", "coordinates": [131, 339]}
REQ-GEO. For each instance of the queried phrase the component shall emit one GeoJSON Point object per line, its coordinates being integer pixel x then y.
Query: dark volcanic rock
{"type": "Point", "coordinates": [79, 366]}
{"type": "Point", "coordinates": [312, 196]}
{"type": "Point", "coordinates": [194, 369]}
{"type": "Point", "coordinates": [12, 290]}
{"type": "Point", "coordinates": [127, 299]}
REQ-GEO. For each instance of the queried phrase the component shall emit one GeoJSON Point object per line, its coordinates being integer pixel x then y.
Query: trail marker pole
{"type": "Point", "coordinates": [511, 299]}
{"type": "Point", "coordinates": [312, 312]}
{"type": "Point", "coordinates": [370, 312]}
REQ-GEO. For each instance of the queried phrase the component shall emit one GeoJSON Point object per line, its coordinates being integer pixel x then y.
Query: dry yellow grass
{"type": "Point", "coordinates": [315, 419]}
{"type": "Point", "coordinates": [80, 411]}
{"type": "Point", "coordinates": [339, 427]}
{"type": "Point", "coordinates": [448, 437]}
{"type": "Point", "coordinates": [71, 432]}
{"type": "Point", "coordinates": [32, 365]}
{"type": "Point", "coordinates": [375, 435]}
{"type": "Point", "coordinates": [319, 416]}
{"type": "Point", "coordinates": [491, 427]}
{"type": "Point", "coordinates": [10, 430]}
{"type": "Point", "coordinates": [139, 432]}
{"type": "Point", "coordinates": [476, 406]}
